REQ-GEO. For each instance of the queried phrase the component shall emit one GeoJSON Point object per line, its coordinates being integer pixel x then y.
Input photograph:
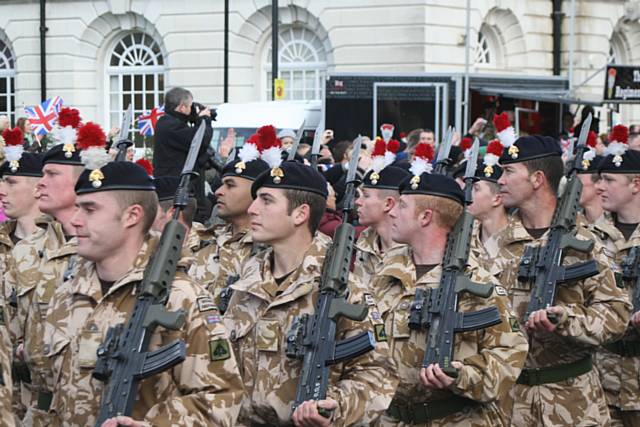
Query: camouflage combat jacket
{"type": "Point", "coordinates": [259, 318]}
{"type": "Point", "coordinates": [485, 252]}
{"type": "Point", "coordinates": [218, 263]}
{"type": "Point", "coordinates": [492, 358]}
{"type": "Point", "coordinates": [596, 310]}
{"type": "Point", "coordinates": [369, 256]}
{"type": "Point", "coordinates": [205, 389]}
{"type": "Point", "coordinates": [618, 373]}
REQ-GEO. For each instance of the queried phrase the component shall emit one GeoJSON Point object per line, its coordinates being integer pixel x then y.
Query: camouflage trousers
{"type": "Point", "coordinates": [624, 418]}
{"type": "Point", "coordinates": [480, 416]}
{"type": "Point", "coordinates": [575, 402]}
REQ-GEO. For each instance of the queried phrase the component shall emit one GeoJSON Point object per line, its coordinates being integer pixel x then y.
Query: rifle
{"type": "Point", "coordinates": [442, 159]}
{"type": "Point", "coordinates": [315, 148]}
{"type": "Point", "coordinates": [312, 338]}
{"type": "Point", "coordinates": [296, 143]}
{"type": "Point", "coordinates": [631, 273]}
{"type": "Point", "coordinates": [123, 143]}
{"type": "Point", "coordinates": [437, 309]}
{"type": "Point", "coordinates": [543, 264]}
{"type": "Point", "coordinates": [123, 357]}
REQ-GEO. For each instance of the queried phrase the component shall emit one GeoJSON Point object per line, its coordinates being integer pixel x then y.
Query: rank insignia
{"type": "Point", "coordinates": [219, 350]}
{"type": "Point", "coordinates": [214, 318]}
{"type": "Point", "coordinates": [205, 304]}
{"type": "Point", "coordinates": [368, 299]}
{"type": "Point", "coordinates": [380, 333]}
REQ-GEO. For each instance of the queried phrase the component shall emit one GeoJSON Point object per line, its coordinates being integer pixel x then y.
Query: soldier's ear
{"type": "Point", "coordinates": [301, 214]}
{"type": "Point", "coordinates": [132, 216]}
{"type": "Point", "coordinates": [426, 217]}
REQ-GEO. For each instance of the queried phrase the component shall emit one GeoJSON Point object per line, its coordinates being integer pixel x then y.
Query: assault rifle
{"type": "Point", "coordinates": [317, 140]}
{"type": "Point", "coordinates": [542, 265]}
{"type": "Point", "coordinates": [631, 274]}
{"type": "Point", "coordinates": [122, 144]}
{"type": "Point", "coordinates": [312, 338]}
{"type": "Point", "coordinates": [293, 150]}
{"type": "Point", "coordinates": [437, 309]}
{"type": "Point", "coordinates": [123, 357]}
{"type": "Point", "coordinates": [442, 159]}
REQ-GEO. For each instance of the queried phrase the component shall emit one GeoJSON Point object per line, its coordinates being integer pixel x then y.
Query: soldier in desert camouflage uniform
{"type": "Point", "coordinates": [227, 246]}
{"type": "Point", "coordinates": [558, 385]}
{"type": "Point", "coordinates": [377, 195]}
{"type": "Point", "coordinates": [6, 389]}
{"type": "Point", "coordinates": [618, 363]}
{"type": "Point", "coordinates": [111, 224]}
{"type": "Point", "coordinates": [488, 361]}
{"type": "Point", "coordinates": [41, 267]}
{"type": "Point", "coordinates": [590, 202]}
{"type": "Point", "coordinates": [282, 283]}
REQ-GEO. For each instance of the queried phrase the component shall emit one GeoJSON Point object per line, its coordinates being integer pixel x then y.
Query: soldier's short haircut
{"type": "Point", "coordinates": [446, 211]}
{"type": "Point", "coordinates": [552, 168]}
{"type": "Point", "coordinates": [317, 205]}
{"type": "Point", "coordinates": [148, 200]}
{"type": "Point", "coordinates": [176, 96]}
{"type": "Point", "coordinates": [188, 212]}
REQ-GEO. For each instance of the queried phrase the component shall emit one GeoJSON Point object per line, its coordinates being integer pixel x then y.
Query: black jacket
{"type": "Point", "coordinates": [172, 141]}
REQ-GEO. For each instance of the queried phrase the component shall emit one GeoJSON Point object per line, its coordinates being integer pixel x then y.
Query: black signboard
{"type": "Point", "coordinates": [622, 84]}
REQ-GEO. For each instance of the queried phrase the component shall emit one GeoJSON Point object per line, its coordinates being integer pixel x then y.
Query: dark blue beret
{"type": "Point", "coordinates": [30, 164]}
{"type": "Point", "coordinates": [630, 163]}
{"type": "Point", "coordinates": [115, 176]}
{"type": "Point", "coordinates": [250, 170]}
{"type": "Point", "coordinates": [531, 147]}
{"type": "Point", "coordinates": [63, 155]}
{"type": "Point", "coordinates": [433, 185]}
{"type": "Point", "coordinates": [292, 175]}
{"type": "Point", "coordinates": [388, 178]}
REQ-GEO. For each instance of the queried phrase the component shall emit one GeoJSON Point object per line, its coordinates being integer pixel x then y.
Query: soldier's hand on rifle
{"type": "Point", "coordinates": [122, 421]}
{"type": "Point", "coordinates": [540, 320]}
{"type": "Point", "coordinates": [635, 320]}
{"type": "Point", "coordinates": [434, 377]}
{"type": "Point", "coordinates": [307, 415]}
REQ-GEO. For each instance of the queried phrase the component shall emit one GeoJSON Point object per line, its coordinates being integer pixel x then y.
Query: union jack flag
{"type": "Point", "coordinates": [147, 121]}
{"type": "Point", "coordinates": [43, 117]}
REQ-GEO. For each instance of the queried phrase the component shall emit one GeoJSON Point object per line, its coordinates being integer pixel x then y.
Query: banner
{"type": "Point", "coordinates": [622, 84]}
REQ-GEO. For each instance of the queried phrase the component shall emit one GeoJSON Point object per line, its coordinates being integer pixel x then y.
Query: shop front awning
{"type": "Point", "coordinates": [553, 96]}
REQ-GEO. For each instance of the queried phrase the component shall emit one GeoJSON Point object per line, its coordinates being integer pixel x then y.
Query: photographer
{"type": "Point", "coordinates": [174, 132]}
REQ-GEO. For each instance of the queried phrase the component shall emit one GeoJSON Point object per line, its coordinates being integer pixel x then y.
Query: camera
{"type": "Point", "coordinates": [196, 108]}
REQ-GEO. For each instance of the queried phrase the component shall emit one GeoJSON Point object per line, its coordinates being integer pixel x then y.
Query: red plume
{"type": "Point", "coordinates": [68, 117]}
{"type": "Point", "coordinates": [91, 135]}
{"type": "Point", "coordinates": [466, 143]}
{"type": "Point", "coordinates": [380, 148]}
{"type": "Point", "coordinates": [620, 133]}
{"type": "Point", "coordinates": [424, 151]}
{"type": "Point", "coordinates": [12, 136]}
{"type": "Point", "coordinates": [146, 165]}
{"type": "Point", "coordinates": [495, 148]}
{"type": "Point", "coordinates": [501, 121]}
{"type": "Point", "coordinates": [393, 145]}
{"type": "Point", "coordinates": [267, 136]}
{"type": "Point", "coordinates": [592, 139]}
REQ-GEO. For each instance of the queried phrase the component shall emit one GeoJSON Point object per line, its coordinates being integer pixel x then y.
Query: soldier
{"type": "Point", "coordinates": [488, 209]}
{"type": "Point", "coordinates": [230, 244]}
{"type": "Point", "coordinates": [41, 261]}
{"type": "Point", "coordinates": [281, 283]}
{"type": "Point", "coordinates": [558, 385]}
{"type": "Point", "coordinates": [377, 196]}
{"type": "Point", "coordinates": [618, 363]}
{"type": "Point", "coordinates": [6, 389]}
{"type": "Point", "coordinates": [487, 361]}
{"type": "Point", "coordinates": [116, 207]}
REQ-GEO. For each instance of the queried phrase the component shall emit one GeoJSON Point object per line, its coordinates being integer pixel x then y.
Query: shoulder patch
{"type": "Point", "coordinates": [379, 332]}
{"type": "Point", "coordinates": [205, 304]}
{"type": "Point", "coordinates": [515, 325]}
{"type": "Point", "coordinates": [501, 291]}
{"type": "Point", "coordinates": [219, 350]}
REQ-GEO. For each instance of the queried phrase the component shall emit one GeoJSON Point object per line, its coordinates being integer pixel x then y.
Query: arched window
{"type": "Point", "coordinates": [302, 64]}
{"type": "Point", "coordinates": [484, 55]}
{"type": "Point", "coordinates": [617, 51]}
{"type": "Point", "coordinates": [7, 81]}
{"type": "Point", "coordinates": [136, 75]}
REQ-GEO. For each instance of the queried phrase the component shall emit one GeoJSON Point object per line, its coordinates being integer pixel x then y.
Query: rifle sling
{"type": "Point", "coordinates": [555, 374]}
{"type": "Point", "coordinates": [624, 348]}
{"type": "Point", "coordinates": [419, 413]}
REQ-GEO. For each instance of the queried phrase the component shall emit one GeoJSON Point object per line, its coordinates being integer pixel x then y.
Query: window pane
{"type": "Point", "coordinates": [3, 104]}
{"type": "Point", "coordinates": [137, 102]}
{"type": "Point", "coordinates": [126, 83]}
{"type": "Point", "coordinates": [161, 82]}
{"type": "Point", "coordinates": [137, 82]}
{"type": "Point", "coordinates": [148, 79]}
{"type": "Point", "coordinates": [3, 85]}
{"type": "Point", "coordinates": [149, 101]}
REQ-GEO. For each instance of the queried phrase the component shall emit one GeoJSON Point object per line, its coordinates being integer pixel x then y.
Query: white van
{"type": "Point", "coordinates": [245, 118]}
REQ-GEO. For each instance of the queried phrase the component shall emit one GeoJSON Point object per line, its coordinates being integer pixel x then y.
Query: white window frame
{"type": "Point", "coordinates": [130, 68]}
{"type": "Point", "coordinates": [8, 73]}
{"type": "Point", "coordinates": [488, 35]}
{"type": "Point", "coordinates": [291, 48]}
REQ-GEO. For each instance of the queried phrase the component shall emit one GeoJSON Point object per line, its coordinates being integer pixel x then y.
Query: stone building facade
{"type": "Point", "coordinates": [102, 54]}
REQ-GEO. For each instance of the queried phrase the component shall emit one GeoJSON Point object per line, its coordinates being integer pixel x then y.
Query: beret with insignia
{"type": "Point", "coordinates": [65, 136]}
{"type": "Point", "coordinates": [292, 176]}
{"type": "Point", "coordinates": [433, 185]}
{"type": "Point", "coordinates": [630, 165]}
{"type": "Point", "coordinates": [531, 147]}
{"type": "Point", "coordinates": [115, 176]}
{"type": "Point", "coordinates": [247, 163]}
{"type": "Point", "coordinates": [30, 165]}
{"type": "Point", "coordinates": [617, 149]}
